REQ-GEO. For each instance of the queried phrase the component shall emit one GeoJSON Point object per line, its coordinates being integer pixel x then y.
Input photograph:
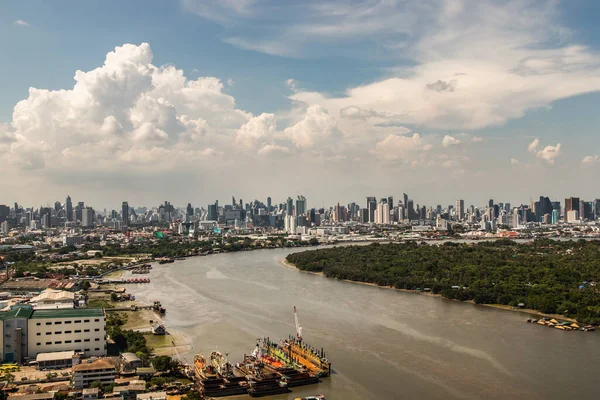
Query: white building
{"type": "Point", "coordinates": [82, 330]}
{"type": "Point", "coordinates": [4, 228]}
{"type": "Point", "coordinates": [152, 396]}
{"type": "Point", "coordinates": [87, 217]}
{"type": "Point", "coordinates": [102, 370]}
{"type": "Point", "coordinates": [382, 213]}
{"type": "Point", "coordinates": [572, 216]}
{"type": "Point", "coordinates": [53, 299]}
{"type": "Point", "coordinates": [290, 224]}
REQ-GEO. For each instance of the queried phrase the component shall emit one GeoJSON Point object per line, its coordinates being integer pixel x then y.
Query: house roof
{"type": "Point", "coordinates": [36, 396]}
{"type": "Point", "coordinates": [103, 363]}
{"type": "Point", "coordinates": [130, 357]}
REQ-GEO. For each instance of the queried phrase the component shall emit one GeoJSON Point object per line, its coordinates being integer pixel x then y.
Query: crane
{"type": "Point", "coordinates": [298, 327]}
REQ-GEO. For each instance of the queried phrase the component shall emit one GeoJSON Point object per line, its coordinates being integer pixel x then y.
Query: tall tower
{"type": "Point", "coordinates": [372, 207]}
{"type": "Point", "coordinates": [460, 210]}
{"type": "Point", "coordinates": [125, 213]}
{"type": "Point", "coordinates": [69, 208]}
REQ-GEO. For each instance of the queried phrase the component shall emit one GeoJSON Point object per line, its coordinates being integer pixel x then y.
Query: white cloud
{"type": "Point", "coordinates": [514, 161]}
{"type": "Point", "coordinates": [589, 161]}
{"type": "Point", "coordinates": [269, 149]}
{"type": "Point", "coordinates": [532, 148]}
{"type": "Point", "coordinates": [125, 111]}
{"type": "Point", "coordinates": [257, 131]}
{"type": "Point", "coordinates": [317, 127]}
{"type": "Point", "coordinates": [396, 147]}
{"type": "Point", "coordinates": [449, 141]}
{"type": "Point", "coordinates": [549, 154]}
{"type": "Point", "coordinates": [22, 22]}
{"type": "Point", "coordinates": [460, 64]}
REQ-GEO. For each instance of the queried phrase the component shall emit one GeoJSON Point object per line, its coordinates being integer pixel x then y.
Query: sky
{"type": "Point", "coordinates": [198, 100]}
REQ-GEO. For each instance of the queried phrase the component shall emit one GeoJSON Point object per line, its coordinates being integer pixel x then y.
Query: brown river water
{"type": "Point", "coordinates": [383, 343]}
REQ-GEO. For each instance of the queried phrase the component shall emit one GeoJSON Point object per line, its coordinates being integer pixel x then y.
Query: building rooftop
{"type": "Point", "coordinates": [90, 391]}
{"type": "Point", "coordinates": [151, 396]}
{"type": "Point", "coordinates": [35, 396]}
{"type": "Point", "coordinates": [55, 356]}
{"type": "Point", "coordinates": [103, 363]}
{"type": "Point", "coordinates": [68, 313]}
{"type": "Point", "coordinates": [17, 312]}
{"type": "Point", "coordinates": [130, 357]}
{"type": "Point", "coordinates": [52, 295]}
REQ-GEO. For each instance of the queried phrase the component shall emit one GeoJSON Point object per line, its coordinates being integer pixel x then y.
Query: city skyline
{"type": "Point", "coordinates": [446, 99]}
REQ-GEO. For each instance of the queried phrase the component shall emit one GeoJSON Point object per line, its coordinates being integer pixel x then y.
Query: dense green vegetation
{"type": "Point", "coordinates": [126, 340]}
{"type": "Point", "coordinates": [545, 275]}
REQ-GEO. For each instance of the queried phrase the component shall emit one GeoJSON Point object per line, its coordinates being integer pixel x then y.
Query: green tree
{"type": "Point", "coordinates": [164, 363]}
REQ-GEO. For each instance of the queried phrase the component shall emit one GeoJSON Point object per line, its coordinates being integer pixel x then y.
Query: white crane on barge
{"type": "Point", "coordinates": [298, 327]}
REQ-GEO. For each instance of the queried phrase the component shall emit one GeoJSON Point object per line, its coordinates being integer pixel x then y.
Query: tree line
{"type": "Point", "coordinates": [545, 275]}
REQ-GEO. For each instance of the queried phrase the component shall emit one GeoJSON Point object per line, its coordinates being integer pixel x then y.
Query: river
{"type": "Point", "coordinates": [383, 343]}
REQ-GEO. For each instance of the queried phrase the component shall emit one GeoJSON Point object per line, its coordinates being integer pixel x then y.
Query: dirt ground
{"type": "Point", "coordinates": [32, 373]}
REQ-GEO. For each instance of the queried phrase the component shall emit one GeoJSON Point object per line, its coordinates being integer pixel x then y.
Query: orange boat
{"type": "Point", "coordinates": [272, 362]}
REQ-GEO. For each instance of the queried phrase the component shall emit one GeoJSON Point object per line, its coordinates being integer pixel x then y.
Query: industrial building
{"type": "Point", "coordinates": [25, 332]}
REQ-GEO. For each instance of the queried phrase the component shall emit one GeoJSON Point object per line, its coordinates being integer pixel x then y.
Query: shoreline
{"type": "Point", "coordinates": [527, 311]}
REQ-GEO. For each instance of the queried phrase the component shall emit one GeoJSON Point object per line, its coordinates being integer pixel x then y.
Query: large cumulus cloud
{"type": "Point", "coordinates": [126, 112]}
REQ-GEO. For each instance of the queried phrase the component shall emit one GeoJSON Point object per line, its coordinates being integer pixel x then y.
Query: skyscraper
{"type": "Point", "coordinates": [189, 209]}
{"type": "Point", "coordinates": [87, 219]}
{"type": "Point", "coordinates": [382, 214]}
{"type": "Point", "coordinates": [213, 210]}
{"type": "Point", "coordinates": [269, 204]}
{"type": "Point", "coordinates": [125, 213]}
{"type": "Point", "coordinates": [571, 203]}
{"type": "Point", "coordinates": [301, 205]}
{"type": "Point", "coordinates": [460, 210]}
{"type": "Point", "coordinates": [405, 197]}
{"type": "Point", "coordinates": [371, 206]}
{"type": "Point", "coordinates": [289, 206]}
{"type": "Point", "coordinates": [69, 208]}
{"type": "Point", "coordinates": [410, 210]}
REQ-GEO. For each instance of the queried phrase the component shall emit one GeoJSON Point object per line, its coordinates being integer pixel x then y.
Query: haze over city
{"type": "Point", "coordinates": [336, 100]}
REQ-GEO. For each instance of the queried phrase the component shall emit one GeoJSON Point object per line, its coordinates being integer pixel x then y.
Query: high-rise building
{"type": "Point", "coordinates": [572, 216]}
{"type": "Point", "coordinates": [4, 228]}
{"type": "Point", "coordinates": [555, 216]}
{"type": "Point", "coordinates": [371, 206]}
{"type": "Point", "coordinates": [4, 212]}
{"type": "Point", "coordinates": [405, 198]}
{"type": "Point", "coordinates": [460, 210]}
{"type": "Point", "coordinates": [69, 208]}
{"type": "Point", "coordinates": [571, 203]}
{"type": "Point", "coordinates": [301, 205]}
{"type": "Point", "coordinates": [269, 204]}
{"type": "Point", "coordinates": [213, 210]}
{"type": "Point", "coordinates": [87, 217]}
{"type": "Point", "coordinates": [125, 213]}
{"type": "Point", "coordinates": [410, 210]}
{"type": "Point", "coordinates": [46, 212]}
{"type": "Point", "coordinates": [382, 214]}
{"type": "Point", "coordinates": [189, 210]}
{"type": "Point", "coordinates": [289, 206]}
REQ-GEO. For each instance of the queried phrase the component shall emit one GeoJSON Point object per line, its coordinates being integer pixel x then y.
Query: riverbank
{"type": "Point", "coordinates": [527, 311]}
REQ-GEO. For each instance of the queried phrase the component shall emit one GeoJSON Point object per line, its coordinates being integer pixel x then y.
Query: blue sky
{"type": "Point", "coordinates": [344, 96]}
